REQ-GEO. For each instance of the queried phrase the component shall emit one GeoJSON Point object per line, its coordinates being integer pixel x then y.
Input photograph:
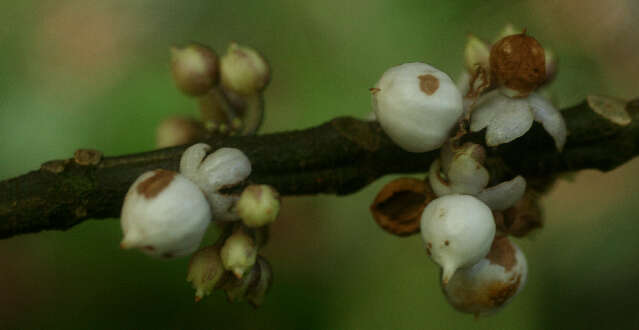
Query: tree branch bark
{"type": "Point", "coordinates": [338, 157]}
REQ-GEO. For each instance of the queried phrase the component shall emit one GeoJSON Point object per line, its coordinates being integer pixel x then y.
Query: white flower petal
{"type": "Point", "coordinates": [192, 158]}
{"type": "Point", "coordinates": [226, 166]}
{"type": "Point", "coordinates": [514, 120]}
{"type": "Point", "coordinates": [549, 117]}
{"type": "Point", "coordinates": [504, 195]}
{"type": "Point", "coordinates": [486, 108]}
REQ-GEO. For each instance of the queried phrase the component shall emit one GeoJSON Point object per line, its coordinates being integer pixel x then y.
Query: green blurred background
{"type": "Point", "coordinates": [95, 74]}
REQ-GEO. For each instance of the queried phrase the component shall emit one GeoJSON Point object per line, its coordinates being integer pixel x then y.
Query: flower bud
{"type": "Point", "coordinates": [224, 168]}
{"type": "Point", "coordinates": [194, 68]}
{"type": "Point", "coordinates": [175, 131]}
{"type": "Point", "coordinates": [238, 253]}
{"type": "Point", "coordinates": [164, 214]}
{"type": "Point", "coordinates": [205, 271]}
{"type": "Point", "coordinates": [462, 169]}
{"type": "Point", "coordinates": [244, 70]}
{"type": "Point", "coordinates": [258, 205]}
{"type": "Point", "coordinates": [477, 52]}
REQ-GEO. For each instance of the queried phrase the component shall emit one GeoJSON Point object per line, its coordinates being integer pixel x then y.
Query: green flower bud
{"type": "Point", "coordinates": [238, 253]}
{"type": "Point", "coordinates": [477, 52]}
{"type": "Point", "coordinates": [205, 271]}
{"type": "Point", "coordinates": [195, 69]}
{"type": "Point", "coordinates": [243, 70]}
{"type": "Point", "coordinates": [259, 205]}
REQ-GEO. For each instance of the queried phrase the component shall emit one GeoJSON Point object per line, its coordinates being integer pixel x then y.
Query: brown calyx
{"type": "Point", "coordinates": [518, 62]}
{"type": "Point", "coordinates": [153, 185]}
{"type": "Point", "coordinates": [397, 208]}
{"type": "Point", "coordinates": [522, 218]}
{"type": "Point", "coordinates": [428, 83]}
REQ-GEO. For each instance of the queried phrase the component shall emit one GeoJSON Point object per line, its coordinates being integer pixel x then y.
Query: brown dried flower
{"type": "Point", "coordinates": [399, 205]}
{"type": "Point", "coordinates": [522, 218]}
{"type": "Point", "coordinates": [517, 62]}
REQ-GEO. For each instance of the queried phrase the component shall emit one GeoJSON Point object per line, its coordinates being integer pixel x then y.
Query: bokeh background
{"type": "Point", "coordinates": [95, 74]}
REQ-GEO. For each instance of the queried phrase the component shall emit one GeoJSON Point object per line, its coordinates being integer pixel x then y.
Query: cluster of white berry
{"type": "Point", "coordinates": [166, 214]}
{"type": "Point", "coordinates": [462, 223]}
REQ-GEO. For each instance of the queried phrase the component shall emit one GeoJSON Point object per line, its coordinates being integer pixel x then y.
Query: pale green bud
{"type": "Point", "coordinates": [205, 270]}
{"type": "Point", "coordinates": [244, 70]}
{"type": "Point", "coordinates": [259, 205]}
{"type": "Point", "coordinates": [239, 253]}
{"type": "Point", "coordinates": [477, 52]}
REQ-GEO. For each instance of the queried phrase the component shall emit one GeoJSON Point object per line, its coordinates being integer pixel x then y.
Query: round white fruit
{"type": "Point", "coordinates": [458, 231]}
{"type": "Point", "coordinates": [417, 105]}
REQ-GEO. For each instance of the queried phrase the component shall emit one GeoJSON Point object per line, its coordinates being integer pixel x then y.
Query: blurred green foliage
{"type": "Point", "coordinates": [95, 74]}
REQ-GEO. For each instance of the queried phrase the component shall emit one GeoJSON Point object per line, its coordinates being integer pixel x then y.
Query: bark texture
{"type": "Point", "coordinates": [338, 157]}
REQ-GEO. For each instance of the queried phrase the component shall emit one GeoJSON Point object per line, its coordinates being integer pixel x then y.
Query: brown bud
{"type": "Point", "coordinates": [258, 289]}
{"type": "Point", "coordinates": [87, 157]}
{"type": "Point", "coordinates": [522, 218]}
{"type": "Point", "coordinates": [517, 62]}
{"type": "Point", "coordinates": [195, 69]}
{"type": "Point", "coordinates": [399, 205]}
{"type": "Point", "coordinates": [175, 131]}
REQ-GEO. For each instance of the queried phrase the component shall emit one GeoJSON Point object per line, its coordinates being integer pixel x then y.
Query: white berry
{"type": "Point", "coordinates": [164, 214]}
{"type": "Point", "coordinates": [417, 106]}
{"type": "Point", "coordinates": [458, 231]}
{"type": "Point", "coordinates": [491, 283]}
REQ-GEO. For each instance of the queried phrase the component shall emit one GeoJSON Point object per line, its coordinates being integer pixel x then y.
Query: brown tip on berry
{"type": "Point", "coordinates": [374, 90]}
